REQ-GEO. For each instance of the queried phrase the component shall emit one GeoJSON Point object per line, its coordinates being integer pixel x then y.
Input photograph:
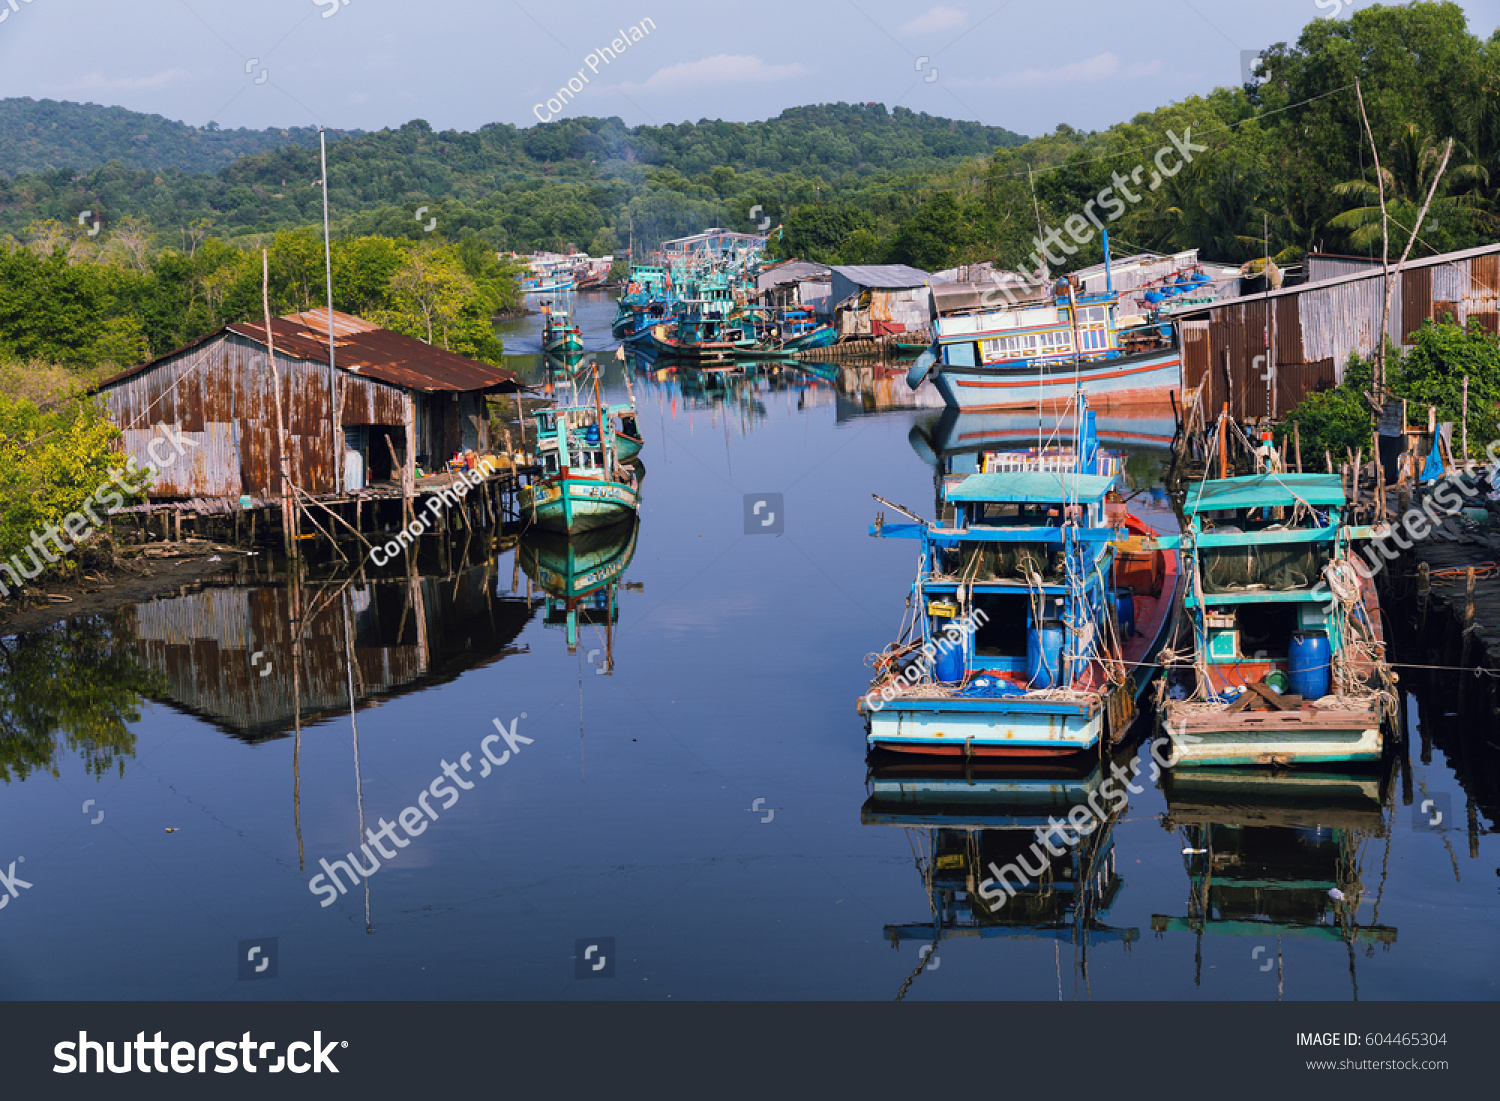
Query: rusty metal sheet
{"type": "Point", "coordinates": [1195, 352]}
{"type": "Point", "coordinates": [1415, 299]}
{"type": "Point", "coordinates": [384, 355]}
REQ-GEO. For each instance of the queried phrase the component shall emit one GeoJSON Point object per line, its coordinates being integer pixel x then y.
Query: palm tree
{"type": "Point", "coordinates": [1408, 174]}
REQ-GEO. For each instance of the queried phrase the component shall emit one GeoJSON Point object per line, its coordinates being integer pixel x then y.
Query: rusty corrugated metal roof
{"type": "Point", "coordinates": [364, 350]}
{"type": "Point", "coordinates": [344, 324]}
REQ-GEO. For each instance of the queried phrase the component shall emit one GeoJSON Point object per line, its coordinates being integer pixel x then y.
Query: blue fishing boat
{"type": "Point", "coordinates": [643, 303]}
{"type": "Point", "coordinates": [583, 484]}
{"type": "Point", "coordinates": [1040, 606]}
{"type": "Point", "coordinates": [550, 284]}
{"type": "Point", "coordinates": [1287, 659]}
{"type": "Point", "coordinates": [1034, 348]}
{"type": "Point", "coordinates": [801, 330]}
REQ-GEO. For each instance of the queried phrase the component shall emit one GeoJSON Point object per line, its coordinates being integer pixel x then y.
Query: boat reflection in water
{"type": "Point", "coordinates": [985, 815]}
{"type": "Point", "coordinates": [1277, 853]}
{"type": "Point", "coordinates": [955, 434]}
{"type": "Point", "coordinates": [581, 577]}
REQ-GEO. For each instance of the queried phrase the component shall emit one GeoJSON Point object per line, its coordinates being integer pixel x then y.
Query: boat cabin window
{"type": "Point", "coordinates": [1263, 629]}
{"type": "Point", "coordinates": [1002, 631]}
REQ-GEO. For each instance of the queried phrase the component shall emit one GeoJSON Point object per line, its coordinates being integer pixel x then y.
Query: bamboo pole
{"type": "Point", "coordinates": [1385, 249]}
{"type": "Point", "coordinates": [1297, 443]}
{"type": "Point", "coordinates": [288, 523]}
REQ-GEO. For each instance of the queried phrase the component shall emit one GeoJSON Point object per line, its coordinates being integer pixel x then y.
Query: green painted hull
{"type": "Point", "coordinates": [563, 344]}
{"type": "Point", "coordinates": [568, 504]}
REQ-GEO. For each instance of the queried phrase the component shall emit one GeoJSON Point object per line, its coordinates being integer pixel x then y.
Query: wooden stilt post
{"type": "Point", "coordinates": [288, 524]}
{"type": "Point", "coordinates": [1224, 441]}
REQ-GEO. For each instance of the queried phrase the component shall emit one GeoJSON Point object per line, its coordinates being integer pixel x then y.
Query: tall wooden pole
{"type": "Point", "coordinates": [288, 522]}
{"type": "Point", "coordinates": [333, 397]}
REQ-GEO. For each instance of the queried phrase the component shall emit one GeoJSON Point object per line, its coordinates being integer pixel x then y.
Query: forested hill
{"type": "Point", "coordinates": [826, 140]}
{"type": "Point", "coordinates": [525, 187]}
{"type": "Point", "coordinates": [37, 135]}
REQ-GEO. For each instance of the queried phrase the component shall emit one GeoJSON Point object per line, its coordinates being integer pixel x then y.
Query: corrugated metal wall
{"type": "Point", "coordinates": [219, 400]}
{"type": "Point", "coordinates": [1317, 328]}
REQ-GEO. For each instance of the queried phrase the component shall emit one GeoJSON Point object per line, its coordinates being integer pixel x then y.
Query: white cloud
{"type": "Point", "coordinates": [97, 81]}
{"type": "Point", "coordinates": [719, 69]}
{"type": "Point", "coordinates": [938, 19]}
{"type": "Point", "coordinates": [1105, 66]}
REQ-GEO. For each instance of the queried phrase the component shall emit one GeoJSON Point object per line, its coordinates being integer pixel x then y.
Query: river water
{"type": "Point", "coordinates": [684, 809]}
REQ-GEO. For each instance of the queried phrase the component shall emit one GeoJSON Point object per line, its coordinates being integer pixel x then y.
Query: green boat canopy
{"type": "Point", "coordinates": [1032, 487]}
{"type": "Point", "coordinates": [1265, 490]}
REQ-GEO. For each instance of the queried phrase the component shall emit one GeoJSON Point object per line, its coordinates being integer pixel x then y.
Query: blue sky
{"type": "Point", "coordinates": [368, 64]}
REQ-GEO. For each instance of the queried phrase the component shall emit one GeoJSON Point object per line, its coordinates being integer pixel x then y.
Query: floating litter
{"type": "Point", "coordinates": [1336, 894]}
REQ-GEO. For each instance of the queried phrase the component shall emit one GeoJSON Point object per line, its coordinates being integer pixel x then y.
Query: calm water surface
{"type": "Point", "coordinates": [695, 788]}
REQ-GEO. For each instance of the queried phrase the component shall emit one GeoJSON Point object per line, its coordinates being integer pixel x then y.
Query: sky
{"type": "Point", "coordinates": [369, 64]}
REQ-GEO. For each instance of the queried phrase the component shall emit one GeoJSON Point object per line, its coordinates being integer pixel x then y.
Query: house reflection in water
{"type": "Point", "coordinates": [1277, 853]}
{"type": "Point", "coordinates": [230, 652]}
{"type": "Point", "coordinates": [991, 815]}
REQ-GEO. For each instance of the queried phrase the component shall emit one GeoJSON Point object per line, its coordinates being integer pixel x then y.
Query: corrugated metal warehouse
{"type": "Point", "coordinates": [1265, 353]}
{"type": "Point", "coordinates": [877, 299]}
{"type": "Point", "coordinates": [216, 395]}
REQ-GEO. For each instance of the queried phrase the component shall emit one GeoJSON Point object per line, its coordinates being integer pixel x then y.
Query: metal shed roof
{"type": "Point", "coordinates": [362, 349]}
{"type": "Point", "coordinates": [883, 276]}
{"type": "Point", "coordinates": [1265, 489]}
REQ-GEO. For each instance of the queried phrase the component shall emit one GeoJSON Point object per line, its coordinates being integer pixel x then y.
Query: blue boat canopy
{"type": "Point", "coordinates": [1265, 490]}
{"type": "Point", "coordinates": [1032, 487]}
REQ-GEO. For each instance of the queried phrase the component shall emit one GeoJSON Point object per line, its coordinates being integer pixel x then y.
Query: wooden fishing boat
{"type": "Point", "coordinates": [1042, 604]}
{"type": "Point", "coordinates": [801, 330]}
{"type": "Point", "coordinates": [1286, 664]}
{"type": "Point", "coordinates": [1034, 350]}
{"type": "Point", "coordinates": [560, 337]}
{"type": "Point", "coordinates": [583, 484]}
{"type": "Point", "coordinates": [698, 339]}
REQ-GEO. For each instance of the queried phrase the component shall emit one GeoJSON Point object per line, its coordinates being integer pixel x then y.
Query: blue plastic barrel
{"type": "Point", "coordinates": [1044, 648]}
{"type": "Point", "coordinates": [1308, 664]}
{"type": "Point", "coordinates": [949, 667]}
{"type": "Point", "coordinates": [1125, 612]}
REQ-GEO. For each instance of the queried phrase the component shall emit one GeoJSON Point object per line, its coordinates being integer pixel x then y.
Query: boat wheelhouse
{"type": "Point", "coordinates": [1040, 349]}
{"type": "Point", "coordinates": [1287, 660]}
{"type": "Point", "coordinates": [583, 484]}
{"type": "Point", "coordinates": [1041, 604]}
